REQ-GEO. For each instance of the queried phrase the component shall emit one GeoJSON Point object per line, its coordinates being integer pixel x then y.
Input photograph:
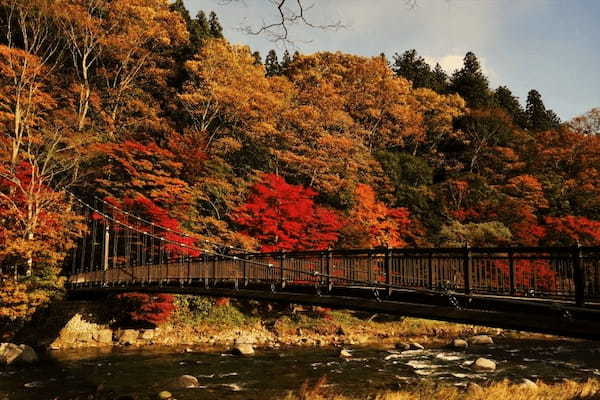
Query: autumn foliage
{"type": "Point", "coordinates": [137, 103]}
{"type": "Point", "coordinates": [285, 217]}
{"type": "Point", "coordinates": [140, 308]}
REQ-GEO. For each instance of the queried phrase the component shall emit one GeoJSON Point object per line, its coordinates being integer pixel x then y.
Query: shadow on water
{"type": "Point", "coordinates": [142, 373]}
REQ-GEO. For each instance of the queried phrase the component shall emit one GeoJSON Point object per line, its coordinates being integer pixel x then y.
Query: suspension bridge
{"type": "Point", "coordinates": [553, 290]}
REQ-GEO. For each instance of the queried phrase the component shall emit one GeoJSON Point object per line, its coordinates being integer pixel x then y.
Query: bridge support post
{"type": "Point", "coordinates": [430, 269]}
{"type": "Point", "coordinates": [512, 270]}
{"type": "Point", "coordinates": [388, 269]}
{"type": "Point", "coordinates": [105, 247]}
{"type": "Point", "coordinates": [282, 267]}
{"type": "Point", "coordinates": [578, 276]}
{"type": "Point", "coordinates": [467, 269]}
{"type": "Point", "coordinates": [328, 267]}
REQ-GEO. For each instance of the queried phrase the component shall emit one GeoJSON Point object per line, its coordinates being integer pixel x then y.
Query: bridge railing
{"type": "Point", "coordinates": [567, 273]}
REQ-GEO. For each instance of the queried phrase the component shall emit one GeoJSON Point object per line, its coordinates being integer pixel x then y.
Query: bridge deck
{"type": "Point", "coordinates": [544, 290]}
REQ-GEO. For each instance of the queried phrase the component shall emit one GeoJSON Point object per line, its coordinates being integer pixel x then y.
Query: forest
{"type": "Point", "coordinates": [151, 109]}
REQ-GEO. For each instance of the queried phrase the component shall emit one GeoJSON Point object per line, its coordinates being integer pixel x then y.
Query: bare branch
{"type": "Point", "coordinates": [289, 13]}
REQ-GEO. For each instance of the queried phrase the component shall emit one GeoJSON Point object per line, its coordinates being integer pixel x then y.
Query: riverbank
{"type": "Point", "coordinates": [200, 321]}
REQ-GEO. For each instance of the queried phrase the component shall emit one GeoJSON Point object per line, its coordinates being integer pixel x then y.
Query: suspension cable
{"type": "Point", "coordinates": [186, 235]}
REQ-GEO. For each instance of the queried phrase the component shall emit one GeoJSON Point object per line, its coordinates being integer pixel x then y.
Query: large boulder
{"type": "Point", "coordinates": [9, 353]}
{"type": "Point", "coordinates": [484, 364]}
{"type": "Point", "coordinates": [460, 344]}
{"type": "Point", "coordinates": [243, 349]}
{"type": "Point", "coordinates": [481, 339]}
{"type": "Point", "coordinates": [79, 332]}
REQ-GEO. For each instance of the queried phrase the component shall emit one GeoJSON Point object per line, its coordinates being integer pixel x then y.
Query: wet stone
{"type": "Point", "coordinates": [481, 339]}
{"type": "Point", "coordinates": [186, 382]}
{"type": "Point", "coordinates": [164, 395]}
{"type": "Point", "coordinates": [484, 364]}
{"type": "Point", "coordinates": [345, 353]}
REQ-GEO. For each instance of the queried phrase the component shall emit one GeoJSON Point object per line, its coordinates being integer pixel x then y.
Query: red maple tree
{"type": "Point", "coordinates": [285, 217]}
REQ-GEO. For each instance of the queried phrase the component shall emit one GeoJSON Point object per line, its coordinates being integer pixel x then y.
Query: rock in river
{"type": "Point", "coordinates": [460, 344]}
{"type": "Point", "coordinates": [345, 353]}
{"type": "Point", "coordinates": [481, 339]}
{"type": "Point", "coordinates": [243, 349]}
{"type": "Point", "coordinates": [186, 382]}
{"type": "Point", "coordinates": [10, 353]}
{"type": "Point", "coordinates": [28, 355]}
{"type": "Point", "coordinates": [484, 364]}
{"type": "Point", "coordinates": [164, 395]}
{"type": "Point", "coordinates": [402, 346]}
{"type": "Point", "coordinates": [416, 346]}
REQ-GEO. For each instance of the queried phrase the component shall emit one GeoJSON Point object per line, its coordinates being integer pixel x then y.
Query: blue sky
{"type": "Point", "coordinates": [550, 45]}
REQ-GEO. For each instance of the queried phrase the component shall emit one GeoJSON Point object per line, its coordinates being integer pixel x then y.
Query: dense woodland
{"type": "Point", "coordinates": [138, 103]}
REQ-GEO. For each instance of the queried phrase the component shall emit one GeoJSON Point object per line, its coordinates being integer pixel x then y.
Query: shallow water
{"type": "Point", "coordinates": [272, 373]}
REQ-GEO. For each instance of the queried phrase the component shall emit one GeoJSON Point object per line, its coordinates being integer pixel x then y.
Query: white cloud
{"type": "Point", "coordinates": [452, 62]}
{"type": "Point", "coordinates": [449, 63]}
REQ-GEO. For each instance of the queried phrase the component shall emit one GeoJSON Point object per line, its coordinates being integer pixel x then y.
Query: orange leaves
{"type": "Point", "coordinates": [147, 167]}
{"type": "Point", "coordinates": [17, 301]}
{"type": "Point", "coordinates": [372, 224]}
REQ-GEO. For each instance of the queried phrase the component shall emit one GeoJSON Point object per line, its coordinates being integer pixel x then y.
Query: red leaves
{"type": "Point", "coordinates": [571, 229]}
{"type": "Point", "coordinates": [141, 307]}
{"type": "Point", "coordinates": [284, 217]}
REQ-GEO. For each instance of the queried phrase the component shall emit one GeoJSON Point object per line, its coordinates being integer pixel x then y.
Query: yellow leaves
{"type": "Point", "coordinates": [229, 95]}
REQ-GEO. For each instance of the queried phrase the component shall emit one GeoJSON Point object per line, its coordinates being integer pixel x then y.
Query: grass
{"type": "Point", "coordinates": [288, 323]}
{"type": "Point", "coordinates": [194, 310]}
{"type": "Point", "coordinates": [567, 390]}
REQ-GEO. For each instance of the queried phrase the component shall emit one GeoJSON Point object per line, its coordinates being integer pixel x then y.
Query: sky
{"type": "Point", "coordinates": [549, 45]}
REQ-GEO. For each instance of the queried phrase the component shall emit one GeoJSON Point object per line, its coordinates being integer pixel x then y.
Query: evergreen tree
{"type": "Point", "coordinates": [471, 83]}
{"type": "Point", "coordinates": [257, 58]}
{"type": "Point", "coordinates": [413, 67]}
{"type": "Point", "coordinates": [504, 98]}
{"type": "Point", "coordinates": [439, 80]}
{"type": "Point", "coordinates": [199, 30]}
{"type": "Point", "coordinates": [202, 25]}
{"type": "Point", "coordinates": [538, 118]}
{"type": "Point", "coordinates": [272, 66]}
{"type": "Point", "coordinates": [216, 30]}
{"type": "Point", "coordinates": [286, 60]}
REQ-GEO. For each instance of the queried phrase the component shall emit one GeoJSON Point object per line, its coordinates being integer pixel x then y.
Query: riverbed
{"type": "Point", "coordinates": [271, 373]}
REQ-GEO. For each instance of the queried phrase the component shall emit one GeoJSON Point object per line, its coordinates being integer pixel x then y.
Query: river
{"type": "Point", "coordinates": [271, 373]}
